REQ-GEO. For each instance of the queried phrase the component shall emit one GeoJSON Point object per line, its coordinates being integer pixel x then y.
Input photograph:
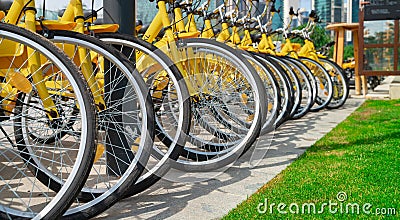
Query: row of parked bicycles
{"type": "Point", "coordinates": [90, 116]}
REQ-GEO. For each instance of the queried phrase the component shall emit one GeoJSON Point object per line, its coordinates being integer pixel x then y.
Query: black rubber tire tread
{"type": "Point", "coordinates": [294, 80]}
{"type": "Point", "coordinates": [302, 109]}
{"type": "Point", "coordinates": [130, 180]}
{"type": "Point", "coordinates": [319, 105]}
{"type": "Point", "coordinates": [344, 84]}
{"type": "Point", "coordinates": [144, 184]}
{"type": "Point", "coordinates": [245, 144]}
{"type": "Point", "coordinates": [89, 153]}
{"type": "Point", "coordinates": [281, 77]}
{"type": "Point", "coordinates": [270, 124]}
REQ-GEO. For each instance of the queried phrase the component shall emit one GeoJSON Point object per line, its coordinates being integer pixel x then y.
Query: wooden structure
{"type": "Point", "coordinates": [387, 10]}
{"type": "Point", "coordinates": [340, 29]}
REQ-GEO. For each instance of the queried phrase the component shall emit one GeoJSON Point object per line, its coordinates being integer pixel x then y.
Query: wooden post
{"type": "Point", "coordinates": [364, 85]}
{"type": "Point", "coordinates": [360, 61]}
{"type": "Point", "coordinates": [340, 46]}
{"type": "Point", "coordinates": [335, 49]}
{"type": "Point", "coordinates": [339, 49]}
{"type": "Point", "coordinates": [357, 78]}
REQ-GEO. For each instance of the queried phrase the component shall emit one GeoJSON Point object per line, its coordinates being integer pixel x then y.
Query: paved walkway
{"type": "Point", "coordinates": [213, 198]}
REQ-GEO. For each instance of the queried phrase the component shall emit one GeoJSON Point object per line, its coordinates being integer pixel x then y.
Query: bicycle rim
{"type": "Point", "coordinates": [68, 157]}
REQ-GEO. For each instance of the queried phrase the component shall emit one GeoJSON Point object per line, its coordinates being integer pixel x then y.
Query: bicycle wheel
{"type": "Point", "coordinates": [272, 88]}
{"type": "Point", "coordinates": [294, 80]}
{"type": "Point", "coordinates": [305, 88]}
{"type": "Point", "coordinates": [286, 89]}
{"type": "Point", "coordinates": [324, 82]}
{"type": "Point", "coordinates": [273, 99]}
{"type": "Point", "coordinates": [310, 77]}
{"type": "Point", "coordinates": [125, 122]}
{"type": "Point", "coordinates": [25, 108]}
{"type": "Point", "coordinates": [340, 83]}
{"type": "Point", "coordinates": [221, 82]}
{"type": "Point", "coordinates": [171, 99]}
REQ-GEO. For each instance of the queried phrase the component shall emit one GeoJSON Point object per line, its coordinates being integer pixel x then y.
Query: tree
{"type": "Point", "coordinates": [319, 36]}
{"type": "Point", "coordinates": [348, 52]}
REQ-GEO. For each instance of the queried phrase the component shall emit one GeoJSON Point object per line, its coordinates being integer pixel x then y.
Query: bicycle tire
{"type": "Point", "coordinates": [286, 88]}
{"type": "Point", "coordinates": [273, 103]}
{"type": "Point", "coordinates": [273, 93]}
{"type": "Point", "coordinates": [340, 83]}
{"type": "Point", "coordinates": [205, 155]}
{"type": "Point", "coordinates": [40, 201]}
{"type": "Point", "coordinates": [126, 123]}
{"type": "Point", "coordinates": [294, 80]}
{"type": "Point", "coordinates": [306, 89]}
{"type": "Point", "coordinates": [325, 88]}
{"type": "Point", "coordinates": [173, 139]}
{"type": "Point", "coordinates": [310, 76]}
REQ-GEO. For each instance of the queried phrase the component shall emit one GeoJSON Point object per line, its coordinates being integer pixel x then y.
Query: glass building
{"type": "Point", "coordinates": [277, 21]}
{"type": "Point", "coordinates": [324, 9]}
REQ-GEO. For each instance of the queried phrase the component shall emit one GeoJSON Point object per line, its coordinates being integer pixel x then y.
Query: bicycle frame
{"type": "Point", "coordinates": [34, 60]}
{"type": "Point", "coordinates": [168, 43]}
{"type": "Point", "coordinates": [74, 13]}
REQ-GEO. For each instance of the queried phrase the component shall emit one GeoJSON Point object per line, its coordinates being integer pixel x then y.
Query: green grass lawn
{"type": "Point", "coordinates": [357, 163]}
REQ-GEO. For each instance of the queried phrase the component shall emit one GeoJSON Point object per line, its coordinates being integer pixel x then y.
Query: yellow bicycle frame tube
{"type": "Point", "coordinates": [74, 12]}
{"type": "Point", "coordinates": [34, 62]}
{"type": "Point", "coordinates": [168, 43]}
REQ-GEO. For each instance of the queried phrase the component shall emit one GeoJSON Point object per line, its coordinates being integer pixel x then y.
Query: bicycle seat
{"type": "Point", "coordinates": [52, 25]}
{"type": "Point", "coordinates": [5, 5]}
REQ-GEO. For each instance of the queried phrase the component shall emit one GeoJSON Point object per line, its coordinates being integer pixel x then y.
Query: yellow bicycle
{"type": "Point", "coordinates": [227, 96]}
{"type": "Point", "coordinates": [125, 112]}
{"type": "Point", "coordinates": [62, 145]}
